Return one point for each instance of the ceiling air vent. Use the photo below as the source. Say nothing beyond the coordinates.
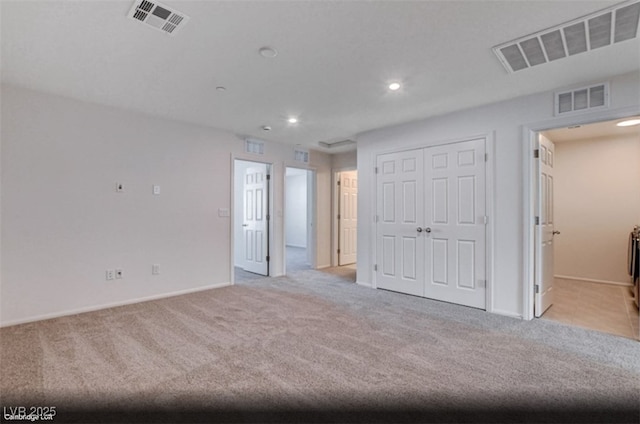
(583, 99)
(600, 29)
(253, 146)
(300, 155)
(158, 16)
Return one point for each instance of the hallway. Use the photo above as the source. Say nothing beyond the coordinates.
(601, 307)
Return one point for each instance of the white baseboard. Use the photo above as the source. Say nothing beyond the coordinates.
(110, 305)
(364, 284)
(506, 313)
(591, 280)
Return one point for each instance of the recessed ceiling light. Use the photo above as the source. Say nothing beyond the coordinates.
(629, 123)
(266, 128)
(268, 52)
(394, 86)
(221, 88)
(292, 120)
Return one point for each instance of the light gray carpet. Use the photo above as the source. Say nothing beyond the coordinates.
(320, 347)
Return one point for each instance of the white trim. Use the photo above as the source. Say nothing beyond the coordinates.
(489, 170)
(113, 305)
(312, 204)
(363, 284)
(529, 132)
(592, 280)
(507, 313)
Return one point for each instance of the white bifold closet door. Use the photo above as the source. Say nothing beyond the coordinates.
(431, 222)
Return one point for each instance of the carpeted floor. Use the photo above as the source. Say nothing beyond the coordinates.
(313, 347)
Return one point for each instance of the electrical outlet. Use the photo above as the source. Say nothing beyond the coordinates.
(155, 269)
(110, 274)
(156, 189)
(118, 273)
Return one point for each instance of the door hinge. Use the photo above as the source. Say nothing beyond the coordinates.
(268, 176)
(537, 288)
(338, 251)
(375, 218)
(486, 220)
(375, 267)
(338, 216)
(482, 283)
(536, 153)
(268, 217)
(537, 220)
(375, 169)
(268, 258)
(338, 182)
(486, 157)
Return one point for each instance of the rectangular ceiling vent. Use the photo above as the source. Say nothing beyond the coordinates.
(158, 16)
(583, 99)
(604, 28)
(254, 146)
(300, 155)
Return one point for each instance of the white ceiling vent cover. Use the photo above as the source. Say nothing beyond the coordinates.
(158, 16)
(254, 146)
(300, 155)
(600, 29)
(583, 99)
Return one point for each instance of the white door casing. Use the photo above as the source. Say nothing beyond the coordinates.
(431, 223)
(348, 217)
(544, 231)
(255, 225)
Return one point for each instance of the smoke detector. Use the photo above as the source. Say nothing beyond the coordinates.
(158, 16)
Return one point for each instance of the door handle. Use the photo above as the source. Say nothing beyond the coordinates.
(427, 229)
(245, 225)
(555, 232)
(419, 229)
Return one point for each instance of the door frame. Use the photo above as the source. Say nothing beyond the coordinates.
(311, 216)
(233, 223)
(489, 139)
(529, 139)
(335, 211)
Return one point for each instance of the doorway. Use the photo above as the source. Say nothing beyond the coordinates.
(347, 217)
(593, 207)
(299, 235)
(252, 226)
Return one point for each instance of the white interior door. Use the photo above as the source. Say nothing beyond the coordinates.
(348, 219)
(544, 229)
(431, 223)
(255, 224)
(455, 223)
(400, 200)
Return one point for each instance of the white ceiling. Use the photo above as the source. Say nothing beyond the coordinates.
(335, 59)
(591, 131)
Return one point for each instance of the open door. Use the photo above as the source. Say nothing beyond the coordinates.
(255, 225)
(347, 217)
(544, 231)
